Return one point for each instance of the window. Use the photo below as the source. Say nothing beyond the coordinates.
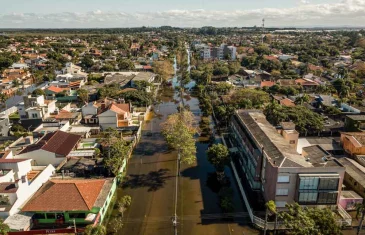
(34, 115)
(282, 192)
(292, 142)
(39, 216)
(283, 179)
(23, 179)
(280, 203)
(307, 198)
(51, 216)
(328, 184)
(327, 198)
(308, 183)
(77, 215)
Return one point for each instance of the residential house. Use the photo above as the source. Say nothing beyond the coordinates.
(354, 176)
(69, 201)
(355, 123)
(307, 84)
(116, 115)
(65, 115)
(89, 113)
(19, 180)
(52, 148)
(267, 84)
(34, 109)
(283, 100)
(52, 92)
(353, 143)
(272, 169)
(4, 125)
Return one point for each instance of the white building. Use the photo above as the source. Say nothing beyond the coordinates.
(116, 115)
(205, 53)
(36, 107)
(232, 52)
(53, 148)
(18, 182)
(71, 69)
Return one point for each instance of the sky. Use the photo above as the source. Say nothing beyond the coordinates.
(180, 13)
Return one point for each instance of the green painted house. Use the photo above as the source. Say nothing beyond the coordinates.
(355, 123)
(60, 202)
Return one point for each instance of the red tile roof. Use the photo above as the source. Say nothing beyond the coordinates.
(58, 142)
(267, 83)
(287, 102)
(66, 195)
(8, 188)
(120, 108)
(55, 89)
(64, 114)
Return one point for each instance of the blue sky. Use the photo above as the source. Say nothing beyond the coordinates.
(189, 13)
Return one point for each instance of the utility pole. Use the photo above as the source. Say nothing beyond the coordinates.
(174, 220)
(75, 226)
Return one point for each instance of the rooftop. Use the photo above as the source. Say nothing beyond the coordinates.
(66, 195)
(279, 151)
(356, 117)
(356, 138)
(19, 222)
(58, 142)
(354, 169)
(8, 187)
(319, 157)
(350, 194)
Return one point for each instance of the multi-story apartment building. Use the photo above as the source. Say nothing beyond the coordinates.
(219, 53)
(205, 53)
(267, 159)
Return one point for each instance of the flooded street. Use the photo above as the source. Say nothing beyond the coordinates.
(151, 177)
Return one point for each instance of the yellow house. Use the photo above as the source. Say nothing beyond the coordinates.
(353, 142)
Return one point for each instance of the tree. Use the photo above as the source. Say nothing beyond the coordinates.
(218, 155)
(256, 98)
(234, 67)
(4, 228)
(301, 99)
(38, 92)
(117, 152)
(124, 203)
(303, 221)
(270, 209)
(95, 230)
(83, 95)
(304, 119)
(87, 62)
(125, 64)
(163, 68)
(179, 130)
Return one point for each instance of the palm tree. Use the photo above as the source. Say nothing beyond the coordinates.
(360, 208)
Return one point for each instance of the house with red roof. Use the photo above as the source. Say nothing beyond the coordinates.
(307, 84)
(83, 201)
(52, 148)
(115, 115)
(19, 180)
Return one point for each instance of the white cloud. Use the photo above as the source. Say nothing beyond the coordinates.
(304, 2)
(345, 12)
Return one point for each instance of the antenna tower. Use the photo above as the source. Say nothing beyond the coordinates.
(263, 30)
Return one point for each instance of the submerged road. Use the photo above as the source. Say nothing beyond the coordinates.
(151, 178)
